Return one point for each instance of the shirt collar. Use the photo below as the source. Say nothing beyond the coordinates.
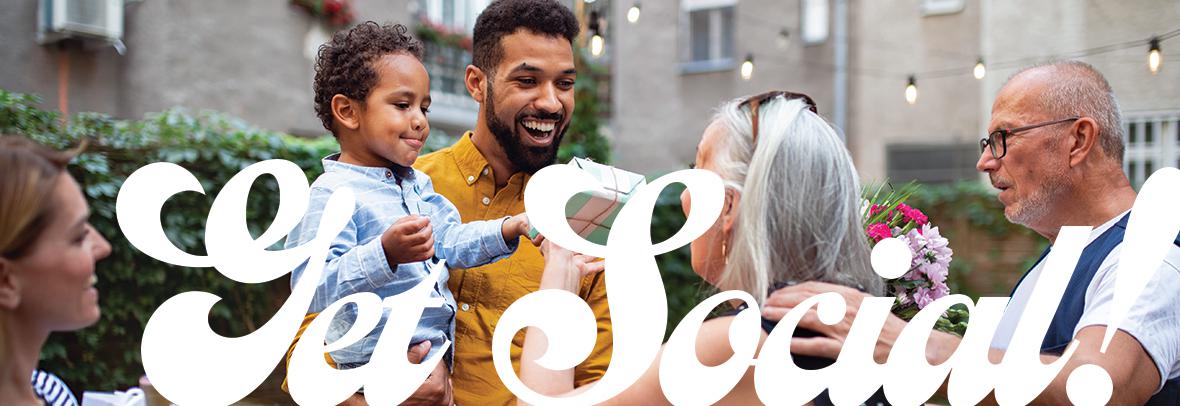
(332, 164)
(470, 161)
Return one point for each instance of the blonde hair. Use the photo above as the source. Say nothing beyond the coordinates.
(26, 191)
(799, 216)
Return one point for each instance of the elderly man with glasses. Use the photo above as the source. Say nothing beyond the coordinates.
(1055, 152)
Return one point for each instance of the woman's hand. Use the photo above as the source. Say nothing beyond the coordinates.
(564, 269)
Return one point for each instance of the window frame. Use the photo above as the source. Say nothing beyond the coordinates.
(718, 60)
(806, 24)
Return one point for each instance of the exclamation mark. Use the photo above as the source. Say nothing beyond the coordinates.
(1151, 231)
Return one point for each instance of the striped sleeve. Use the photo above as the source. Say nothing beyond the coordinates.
(52, 390)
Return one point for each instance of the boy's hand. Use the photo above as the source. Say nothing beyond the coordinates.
(409, 239)
(515, 227)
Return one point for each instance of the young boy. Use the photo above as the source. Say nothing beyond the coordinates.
(372, 92)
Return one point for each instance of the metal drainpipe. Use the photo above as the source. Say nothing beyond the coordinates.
(840, 80)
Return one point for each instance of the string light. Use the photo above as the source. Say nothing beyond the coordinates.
(980, 70)
(633, 13)
(1153, 55)
(748, 67)
(911, 90)
(596, 45)
(596, 42)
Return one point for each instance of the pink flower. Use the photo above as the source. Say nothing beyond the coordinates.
(923, 297)
(876, 208)
(332, 6)
(879, 232)
(900, 293)
(939, 290)
(916, 216)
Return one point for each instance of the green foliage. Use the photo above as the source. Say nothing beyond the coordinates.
(683, 288)
(969, 200)
(974, 205)
(213, 147)
(583, 138)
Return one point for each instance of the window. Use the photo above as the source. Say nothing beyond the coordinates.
(1150, 144)
(710, 26)
(445, 60)
(457, 15)
(814, 21)
(931, 163)
(942, 7)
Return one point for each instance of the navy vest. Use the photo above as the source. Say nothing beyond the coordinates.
(1073, 302)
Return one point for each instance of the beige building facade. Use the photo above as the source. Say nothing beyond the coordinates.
(667, 71)
(661, 104)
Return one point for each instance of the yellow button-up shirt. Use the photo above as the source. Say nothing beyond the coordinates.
(462, 175)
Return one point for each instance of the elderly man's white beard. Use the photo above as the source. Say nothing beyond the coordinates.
(1040, 203)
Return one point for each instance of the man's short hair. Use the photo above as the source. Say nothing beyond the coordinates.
(345, 64)
(1078, 89)
(504, 17)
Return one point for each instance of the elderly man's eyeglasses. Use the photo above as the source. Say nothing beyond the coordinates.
(754, 102)
(998, 139)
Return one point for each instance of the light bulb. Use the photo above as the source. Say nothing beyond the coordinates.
(748, 67)
(596, 45)
(911, 91)
(633, 14)
(980, 70)
(1153, 56)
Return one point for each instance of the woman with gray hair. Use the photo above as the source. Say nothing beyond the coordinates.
(791, 214)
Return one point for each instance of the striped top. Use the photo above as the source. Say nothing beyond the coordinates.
(52, 390)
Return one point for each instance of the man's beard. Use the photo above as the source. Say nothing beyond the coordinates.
(1038, 204)
(525, 158)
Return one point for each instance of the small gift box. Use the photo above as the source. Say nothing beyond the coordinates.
(590, 214)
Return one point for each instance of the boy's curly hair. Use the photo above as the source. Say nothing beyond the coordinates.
(345, 64)
(504, 17)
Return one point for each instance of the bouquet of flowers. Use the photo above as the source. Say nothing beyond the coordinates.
(887, 216)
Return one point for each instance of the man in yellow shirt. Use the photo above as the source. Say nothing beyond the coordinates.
(522, 75)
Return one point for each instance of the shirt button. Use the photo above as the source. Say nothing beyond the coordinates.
(465, 307)
(388, 174)
(486, 201)
(470, 179)
(485, 171)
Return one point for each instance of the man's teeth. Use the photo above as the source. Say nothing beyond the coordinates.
(93, 279)
(539, 126)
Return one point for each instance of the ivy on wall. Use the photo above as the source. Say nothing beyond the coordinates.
(132, 285)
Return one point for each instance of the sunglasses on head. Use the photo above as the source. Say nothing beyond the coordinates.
(756, 101)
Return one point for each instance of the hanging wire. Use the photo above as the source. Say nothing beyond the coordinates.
(959, 70)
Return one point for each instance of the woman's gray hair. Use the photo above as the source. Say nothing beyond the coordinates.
(799, 216)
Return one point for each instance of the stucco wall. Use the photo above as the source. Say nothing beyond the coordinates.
(660, 112)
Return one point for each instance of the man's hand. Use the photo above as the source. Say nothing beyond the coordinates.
(437, 388)
(435, 391)
(515, 227)
(783, 300)
(409, 239)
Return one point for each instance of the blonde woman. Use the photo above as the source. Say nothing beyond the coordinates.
(791, 214)
(47, 254)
